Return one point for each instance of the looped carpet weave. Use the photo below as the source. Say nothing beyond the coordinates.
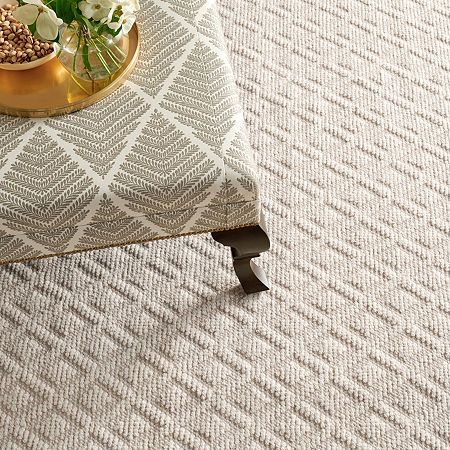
(156, 347)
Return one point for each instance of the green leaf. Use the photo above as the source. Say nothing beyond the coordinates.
(62, 8)
(85, 53)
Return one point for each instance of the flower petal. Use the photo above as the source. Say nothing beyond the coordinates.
(128, 24)
(114, 25)
(86, 9)
(34, 2)
(46, 28)
(26, 14)
(54, 17)
(100, 14)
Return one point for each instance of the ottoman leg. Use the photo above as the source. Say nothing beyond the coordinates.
(247, 243)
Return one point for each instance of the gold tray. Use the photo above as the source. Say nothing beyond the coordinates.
(50, 90)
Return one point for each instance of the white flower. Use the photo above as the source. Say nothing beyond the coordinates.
(128, 5)
(122, 15)
(95, 9)
(47, 23)
(127, 22)
(110, 15)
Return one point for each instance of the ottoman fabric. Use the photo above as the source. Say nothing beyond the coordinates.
(165, 155)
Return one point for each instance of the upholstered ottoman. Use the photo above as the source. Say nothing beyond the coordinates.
(166, 155)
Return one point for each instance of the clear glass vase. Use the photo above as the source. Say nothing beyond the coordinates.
(91, 58)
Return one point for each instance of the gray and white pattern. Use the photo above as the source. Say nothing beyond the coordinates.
(148, 162)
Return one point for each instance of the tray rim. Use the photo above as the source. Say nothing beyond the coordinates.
(86, 102)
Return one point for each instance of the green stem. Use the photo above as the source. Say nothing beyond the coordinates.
(100, 57)
(111, 54)
(116, 46)
(77, 50)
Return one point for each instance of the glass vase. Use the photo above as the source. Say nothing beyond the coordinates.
(91, 58)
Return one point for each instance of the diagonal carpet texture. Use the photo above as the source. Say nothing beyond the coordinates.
(156, 347)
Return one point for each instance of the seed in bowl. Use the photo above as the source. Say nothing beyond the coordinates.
(17, 44)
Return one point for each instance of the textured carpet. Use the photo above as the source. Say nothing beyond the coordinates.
(156, 347)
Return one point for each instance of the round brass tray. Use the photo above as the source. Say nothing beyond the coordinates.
(50, 90)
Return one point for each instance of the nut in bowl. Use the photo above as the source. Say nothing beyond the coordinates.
(19, 49)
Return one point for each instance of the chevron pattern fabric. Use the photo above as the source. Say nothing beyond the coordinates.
(155, 347)
(158, 158)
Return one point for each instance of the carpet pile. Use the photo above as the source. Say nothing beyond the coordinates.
(156, 347)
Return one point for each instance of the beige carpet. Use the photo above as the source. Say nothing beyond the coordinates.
(155, 347)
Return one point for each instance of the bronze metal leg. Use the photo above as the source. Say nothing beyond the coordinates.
(247, 243)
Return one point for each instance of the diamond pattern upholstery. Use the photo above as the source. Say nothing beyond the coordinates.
(165, 155)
